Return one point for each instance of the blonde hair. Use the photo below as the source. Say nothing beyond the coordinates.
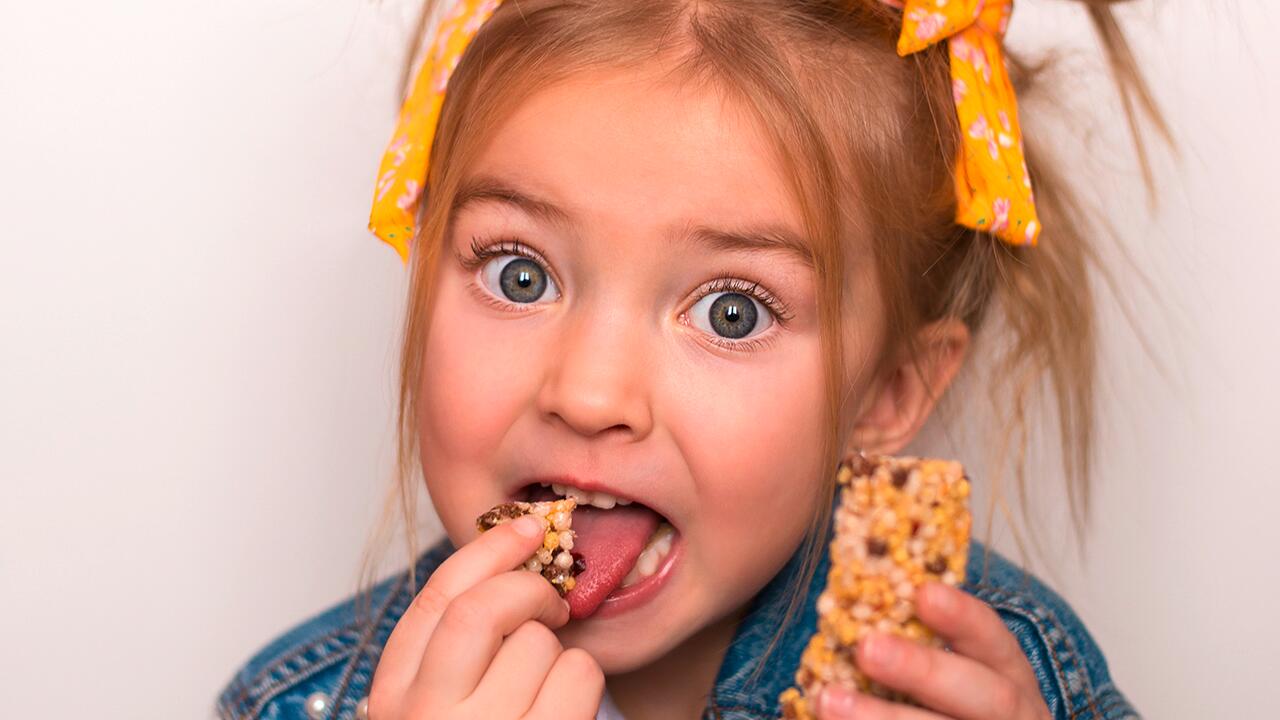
(868, 141)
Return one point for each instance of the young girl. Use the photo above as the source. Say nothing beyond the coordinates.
(675, 259)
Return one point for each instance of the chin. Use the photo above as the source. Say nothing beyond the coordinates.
(643, 645)
(615, 657)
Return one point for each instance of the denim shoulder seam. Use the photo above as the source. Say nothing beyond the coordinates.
(1038, 614)
(294, 666)
(365, 656)
(288, 669)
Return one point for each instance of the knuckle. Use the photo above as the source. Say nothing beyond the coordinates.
(430, 600)
(466, 615)
(491, 549)
(918, 665)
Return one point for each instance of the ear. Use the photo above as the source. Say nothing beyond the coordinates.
(905, 396)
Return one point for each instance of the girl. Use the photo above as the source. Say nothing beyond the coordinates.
(675, 259)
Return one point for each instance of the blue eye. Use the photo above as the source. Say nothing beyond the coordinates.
(518, 279)
(730, 315)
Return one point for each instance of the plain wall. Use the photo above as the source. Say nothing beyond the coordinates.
(198, 347)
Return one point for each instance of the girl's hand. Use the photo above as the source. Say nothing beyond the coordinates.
(987, 677)
(477, 641)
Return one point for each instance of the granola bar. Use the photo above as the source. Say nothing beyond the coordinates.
(555, 560)
(900, 521)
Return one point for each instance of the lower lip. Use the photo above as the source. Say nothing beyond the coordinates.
(634, 596)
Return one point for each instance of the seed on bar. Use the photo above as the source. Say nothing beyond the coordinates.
(552, 560)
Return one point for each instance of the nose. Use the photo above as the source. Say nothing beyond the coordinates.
(598, 377)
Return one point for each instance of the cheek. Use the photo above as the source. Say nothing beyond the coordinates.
(473, 388)
(464, 393)
(757, 454)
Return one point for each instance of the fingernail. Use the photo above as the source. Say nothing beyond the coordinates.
(530, 526)
(837, 702)
(883, 650)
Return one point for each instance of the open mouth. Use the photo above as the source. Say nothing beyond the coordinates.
(623, 542)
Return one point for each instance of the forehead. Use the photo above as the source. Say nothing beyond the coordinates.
(642, 147)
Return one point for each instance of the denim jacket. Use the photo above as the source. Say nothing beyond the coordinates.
(322, 668)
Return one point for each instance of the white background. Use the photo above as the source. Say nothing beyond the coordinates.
(198, 346)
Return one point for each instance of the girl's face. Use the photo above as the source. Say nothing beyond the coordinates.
(661, 343)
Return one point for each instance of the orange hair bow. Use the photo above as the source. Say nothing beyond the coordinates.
(993, 188)
(403, 174)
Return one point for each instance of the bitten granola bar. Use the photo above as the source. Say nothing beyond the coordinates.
(555, 560)
(900, 521)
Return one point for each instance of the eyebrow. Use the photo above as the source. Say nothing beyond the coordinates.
(765, 238)
(769, 238)
(488, 188)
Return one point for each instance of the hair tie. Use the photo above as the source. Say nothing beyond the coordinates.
(993, 187)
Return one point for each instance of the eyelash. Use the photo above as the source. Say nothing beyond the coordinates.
(481, 253)
(782, 314)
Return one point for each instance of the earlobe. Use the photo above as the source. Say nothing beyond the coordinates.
(905, 397)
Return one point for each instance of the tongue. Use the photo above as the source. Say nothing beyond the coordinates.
(609, 541)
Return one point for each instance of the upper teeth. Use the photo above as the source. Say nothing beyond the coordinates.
(586, 497)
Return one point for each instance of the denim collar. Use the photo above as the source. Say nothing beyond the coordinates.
(740, 691)
(736, 691)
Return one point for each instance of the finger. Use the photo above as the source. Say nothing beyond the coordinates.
(511, 683)
(951, 684)
(473, 626)
(493, 552)
(973, 629)
(572, 690)
(839, 702)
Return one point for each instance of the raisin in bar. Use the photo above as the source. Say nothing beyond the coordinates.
(900, 521)
(555, 560)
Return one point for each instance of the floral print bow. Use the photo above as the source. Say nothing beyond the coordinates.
(404, 165)
(993, 187)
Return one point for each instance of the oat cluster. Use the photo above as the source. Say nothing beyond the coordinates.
(900, 521)
(555, 560)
